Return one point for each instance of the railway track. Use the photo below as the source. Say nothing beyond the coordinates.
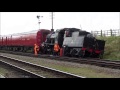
(36, 71)
(18, 71)
(97, 62)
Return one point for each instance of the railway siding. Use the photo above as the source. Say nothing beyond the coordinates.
(38, 68)
(88, 71)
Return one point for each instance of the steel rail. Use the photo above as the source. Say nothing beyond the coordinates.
(26, 72)
(98, 62)
(55, 71)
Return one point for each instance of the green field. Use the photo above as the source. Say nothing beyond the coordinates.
(112, 47)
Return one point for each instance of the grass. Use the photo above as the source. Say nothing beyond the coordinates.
(112, 47)
(2, 71)
(84, 71)
(88, 71)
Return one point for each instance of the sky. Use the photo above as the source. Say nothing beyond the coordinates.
(18, 22)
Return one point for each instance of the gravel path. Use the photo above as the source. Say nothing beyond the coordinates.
(89, 71)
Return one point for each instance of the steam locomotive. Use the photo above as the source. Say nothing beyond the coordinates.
(75, 43)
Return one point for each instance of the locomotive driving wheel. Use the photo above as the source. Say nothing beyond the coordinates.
(101, 55)
(82, 54)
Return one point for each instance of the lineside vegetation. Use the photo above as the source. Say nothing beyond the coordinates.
(112, 47)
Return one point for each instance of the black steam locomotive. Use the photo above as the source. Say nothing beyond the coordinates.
(75, 43)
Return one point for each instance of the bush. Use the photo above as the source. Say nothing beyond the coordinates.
(112, 47)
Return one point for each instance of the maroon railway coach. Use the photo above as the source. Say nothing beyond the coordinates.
(23, 41)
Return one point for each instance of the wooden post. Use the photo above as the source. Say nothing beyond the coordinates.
(101, 33)
(2, 40)
(118, 43)
(0, 24)
(104, 34)
(6, 41)
(111, 31)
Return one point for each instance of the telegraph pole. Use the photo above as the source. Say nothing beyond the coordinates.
(0, 25)
(52, 21)
(119, 21)
(38, 17)
(119, 24)
(80, 27)
(119, 33)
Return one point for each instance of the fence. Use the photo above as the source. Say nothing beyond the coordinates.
(104, 33)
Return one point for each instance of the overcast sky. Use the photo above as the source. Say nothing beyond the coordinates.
(17, 22)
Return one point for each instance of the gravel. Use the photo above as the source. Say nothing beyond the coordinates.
(8, 72)
(89, 71)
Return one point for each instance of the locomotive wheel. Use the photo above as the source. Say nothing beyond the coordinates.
(72, 52)
(101, 55)
(90, 54)
(82, 54)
